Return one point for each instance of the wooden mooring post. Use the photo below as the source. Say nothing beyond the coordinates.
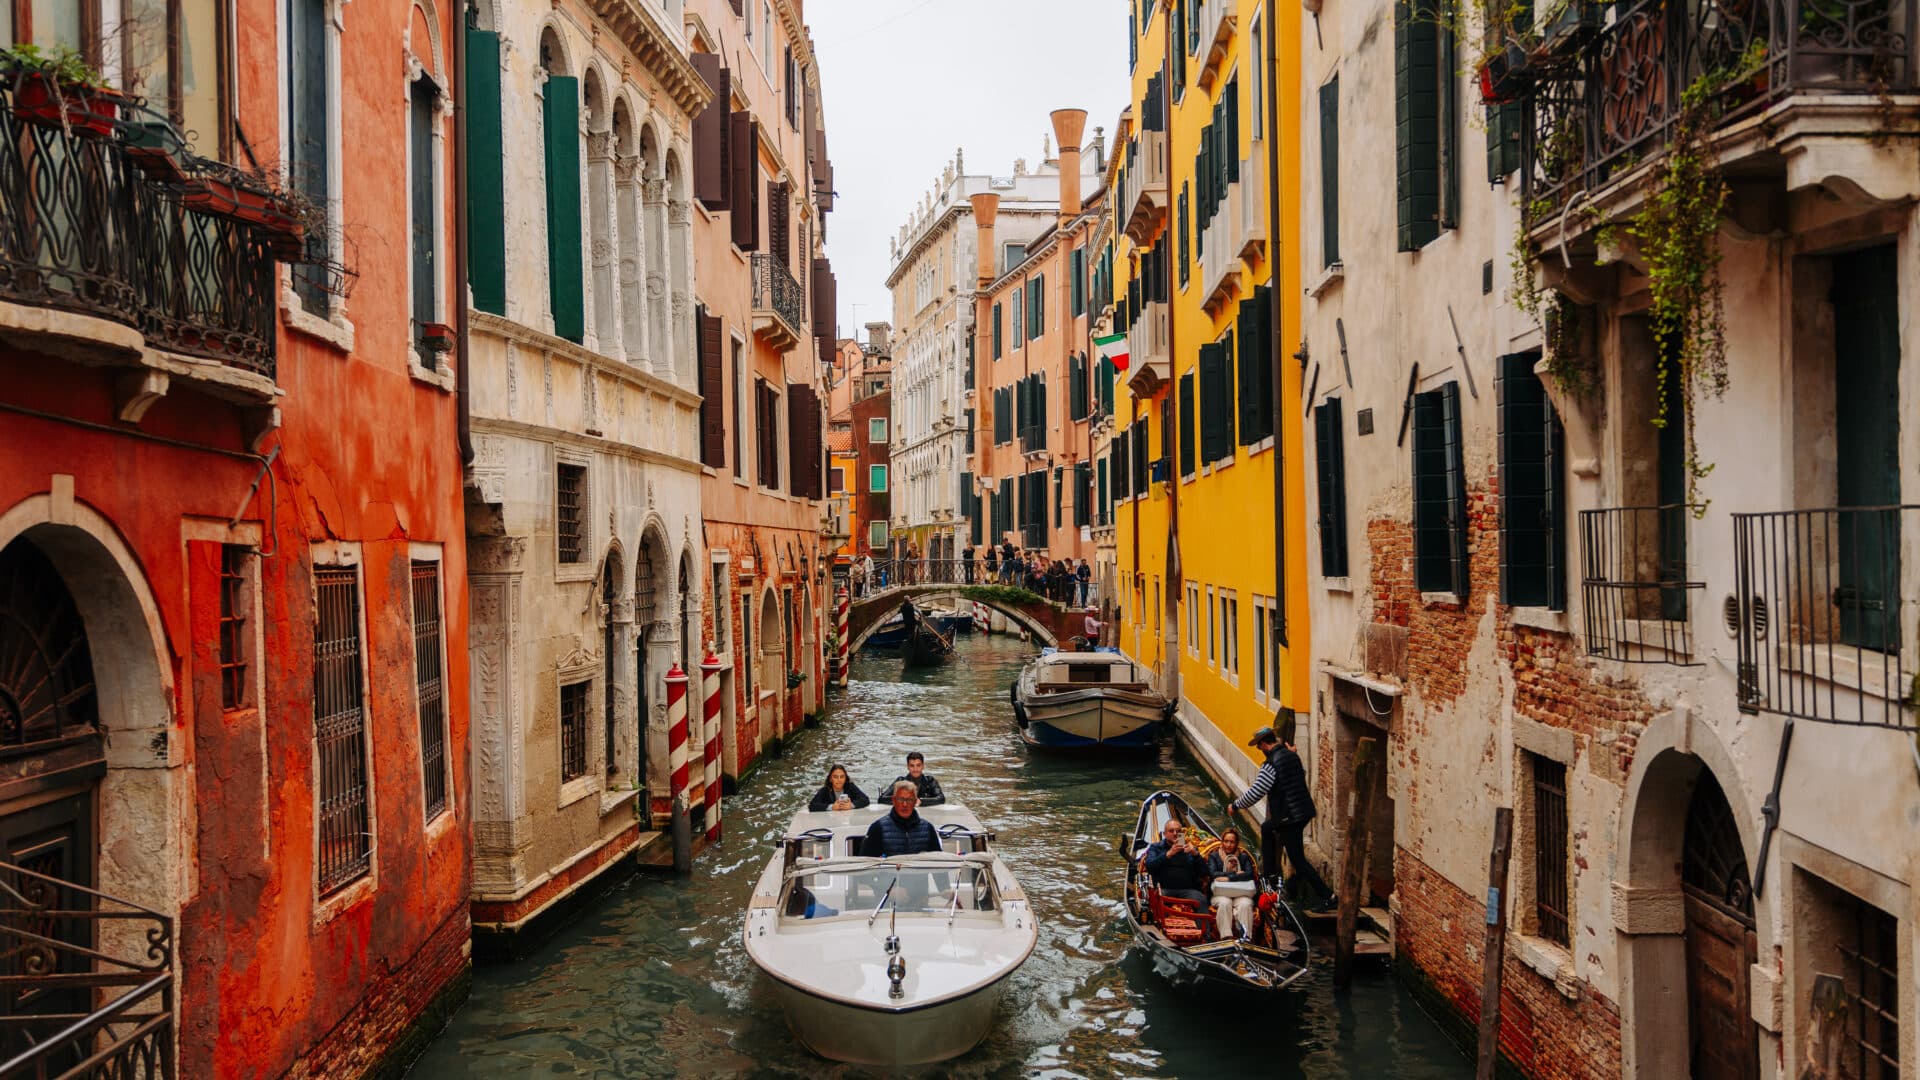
(1494, 951)
(1353, 867)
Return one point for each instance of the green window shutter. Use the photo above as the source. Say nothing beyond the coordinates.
(1416, 85)
(1102, 498)
(1214, 438)
(1077, 266)
(1039, 412)
(1233, 130)
(1503, 139)
(1330, 467)
(998, 342)
(1059, 495)
(1531, 544)
(1439, 493)
(1186, 424)
(1185, 257)
(1248, 384)
(565, 284)
(486, 175)
(1330, 172)
(1118, 453)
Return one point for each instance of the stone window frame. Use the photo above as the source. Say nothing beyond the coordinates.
(581, 667)
(345, 554)
(1779, 1001)
(1548, 958)
(720, 564)
(433, 552)
(433, 69)
(588, 568)
(334, 327)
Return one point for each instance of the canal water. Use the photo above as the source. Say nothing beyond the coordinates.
(654, 981)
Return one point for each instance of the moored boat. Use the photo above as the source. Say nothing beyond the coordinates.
(892, 632)
(925, 646)
(888, 961)
(1088, 701)
(1179, 936)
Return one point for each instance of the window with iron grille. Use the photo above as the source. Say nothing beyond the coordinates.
(1439, 493)
(570, 512)
(339, 730)
(427, 684)
(1870, 966)
(1550, 874)
(1533, 545)
(1330, 467)
(235, 643)
(573, 730)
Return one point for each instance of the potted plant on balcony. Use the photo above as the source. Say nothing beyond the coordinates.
(436, 337)
(59, 89)
(1567, 22)
(1505, 74)
(153, 144)
(254, 198)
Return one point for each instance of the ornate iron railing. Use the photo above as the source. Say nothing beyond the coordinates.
(86, 982)
(1607, 100)
(1822, 612)
(83, 229)
(775, 290)
(1634, 583)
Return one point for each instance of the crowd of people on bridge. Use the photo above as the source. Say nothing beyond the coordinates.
(1064, 581)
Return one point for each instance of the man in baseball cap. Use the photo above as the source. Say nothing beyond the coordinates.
(1282, 782)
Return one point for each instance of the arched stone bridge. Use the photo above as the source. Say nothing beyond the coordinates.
(1049, 622)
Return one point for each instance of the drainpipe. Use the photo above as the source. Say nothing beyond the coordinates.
(1168, 432)
(1278, 351)
(462, 394)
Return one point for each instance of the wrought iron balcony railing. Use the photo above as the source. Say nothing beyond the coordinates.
(778, 302)
(1822, 614)
(1634, 585)
(1608, 99)
(83, 229)
(86, 982)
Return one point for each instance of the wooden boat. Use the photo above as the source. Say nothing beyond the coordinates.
(892, 633)
(1088, 701)
(1178, 936)
(926, 646)
(888, 961)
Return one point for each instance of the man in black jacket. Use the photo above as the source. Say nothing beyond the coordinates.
(929, 788)
(1176, 868)
(902, 831)
(1282, 782)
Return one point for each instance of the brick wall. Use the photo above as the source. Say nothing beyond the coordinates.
(401, 1012)
(1439, 930)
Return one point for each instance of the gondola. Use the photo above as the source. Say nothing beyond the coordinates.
(925, 646)
(1178, 936)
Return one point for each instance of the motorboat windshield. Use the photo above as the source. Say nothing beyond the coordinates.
(867, 888)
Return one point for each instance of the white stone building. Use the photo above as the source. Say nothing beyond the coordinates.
(584, 494)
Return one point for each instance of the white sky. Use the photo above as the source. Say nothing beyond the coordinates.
(905, 82)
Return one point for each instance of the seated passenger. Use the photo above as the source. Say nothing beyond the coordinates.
(1231, 866)
(1175, 867)
(902, 831)
(838, 793)
(927, 786)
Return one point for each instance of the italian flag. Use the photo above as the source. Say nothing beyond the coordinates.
(1114, 350)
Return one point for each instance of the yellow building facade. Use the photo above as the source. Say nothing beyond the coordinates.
(1207, 410)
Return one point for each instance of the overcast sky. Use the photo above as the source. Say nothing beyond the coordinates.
(905, 82)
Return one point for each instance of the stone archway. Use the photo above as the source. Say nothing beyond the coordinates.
(1684, 835)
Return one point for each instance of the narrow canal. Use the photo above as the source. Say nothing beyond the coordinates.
(655, 982)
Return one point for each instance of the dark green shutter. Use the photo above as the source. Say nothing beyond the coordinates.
(486, 175)
(1330, 466)
(1503, 139)
(1416, 85)
(1248, 385)
(1059, 495)
(1186, 424)
(1077, 266)
(1101, 499)
(1531, 548)
(1039, 413)
(1082, 494)
(1232, 136)
(1330, 171)
(998, 331)
(1077, 387)
(1117, 451)
(565, 286)
(1181, 223)
(1439, 493)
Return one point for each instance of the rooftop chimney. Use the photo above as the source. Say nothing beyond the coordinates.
(986, 205)
(1067, 127)
(877, 334)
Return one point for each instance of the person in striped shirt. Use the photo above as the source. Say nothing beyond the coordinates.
(1282, 783)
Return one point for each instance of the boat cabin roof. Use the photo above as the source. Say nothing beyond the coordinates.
(856, 822)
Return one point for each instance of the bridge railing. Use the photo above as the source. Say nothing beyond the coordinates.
(891, 574)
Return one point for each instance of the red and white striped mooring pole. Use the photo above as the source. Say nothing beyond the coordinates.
(840, 615)
(710, 694)
(677, 733)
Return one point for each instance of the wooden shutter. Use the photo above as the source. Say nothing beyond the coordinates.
(1059, 495)
(1181, 223)
(1255, 363)
(1439, 493)
(998, 343)
(1530, 561)
(1216, 409)
(1231, 138)
(803, 451)
(744, 167)
(1330, 172)
(1330, 465)
(713, 405)
(1456, 485)
(1416, 86)
(826, 299)
(1077, 268)
(712, 142)
(1139, 449)
(778, 224)
(1117, 451)
(1077, 387)
(1503, 138)
(1186, 424)
(486, 175)
(1101, 499)
(565, 279)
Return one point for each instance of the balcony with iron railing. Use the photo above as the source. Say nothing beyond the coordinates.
(86, 982)
(778, 303)
(1144, 185)
(1634, 584)
(1236, 235)
(1823, 614)
(1613, 81)
(113, 249)
(1149, 353)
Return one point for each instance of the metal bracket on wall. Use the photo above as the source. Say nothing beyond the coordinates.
(1462, 347)
(1406, 406)
(1340, 327)
(1312, 389)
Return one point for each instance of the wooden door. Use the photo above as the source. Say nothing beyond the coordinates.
(51, 841)
(1720, 950)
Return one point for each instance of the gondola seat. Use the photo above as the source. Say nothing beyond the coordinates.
(1183, 921)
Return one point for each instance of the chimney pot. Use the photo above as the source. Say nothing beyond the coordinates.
(1068, 125)
(986, 206)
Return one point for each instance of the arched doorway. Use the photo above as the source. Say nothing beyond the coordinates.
(773, 676)
(1721, 943)
(648, 668)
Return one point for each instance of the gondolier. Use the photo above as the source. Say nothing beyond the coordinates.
(1282, 782)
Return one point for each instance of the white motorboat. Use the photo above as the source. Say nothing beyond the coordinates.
(888, 961)
(1088, 701)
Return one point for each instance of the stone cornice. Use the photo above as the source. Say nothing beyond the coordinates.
(486, 322)
(658, 51)
(560, 437)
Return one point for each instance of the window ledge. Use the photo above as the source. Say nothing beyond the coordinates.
(1548, 960)
(431, 376)
(573, 791)
(580, 571)
(612, 800)
(1541, 619)
(1260, 447)
(1337, 584)
(1439, 599)
(1334, 273)
(336, 331)
(332, 907)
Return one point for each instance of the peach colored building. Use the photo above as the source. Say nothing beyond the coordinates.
(1033, 456)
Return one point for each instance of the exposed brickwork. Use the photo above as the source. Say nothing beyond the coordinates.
(385, 1029)
(1439, 931)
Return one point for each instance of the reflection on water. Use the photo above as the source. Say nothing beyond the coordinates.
(655, 982)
